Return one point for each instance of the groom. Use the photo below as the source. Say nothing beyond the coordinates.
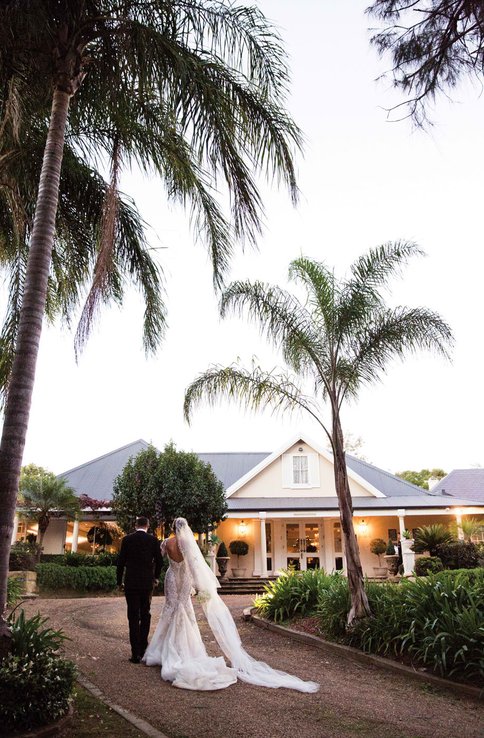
(140, 555)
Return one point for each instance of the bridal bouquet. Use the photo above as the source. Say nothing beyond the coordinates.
(202, 597)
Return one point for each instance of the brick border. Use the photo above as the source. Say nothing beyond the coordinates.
(354, 654)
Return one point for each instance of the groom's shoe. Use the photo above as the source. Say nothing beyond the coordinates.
(135, 660)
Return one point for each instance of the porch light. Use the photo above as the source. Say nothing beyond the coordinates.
(362, 527)
(242, 529)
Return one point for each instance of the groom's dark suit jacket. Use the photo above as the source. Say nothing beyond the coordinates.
(140, 555)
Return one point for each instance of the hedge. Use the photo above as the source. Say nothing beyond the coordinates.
(81, 578)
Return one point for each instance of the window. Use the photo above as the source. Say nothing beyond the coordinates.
(392, 534)
(300, 470)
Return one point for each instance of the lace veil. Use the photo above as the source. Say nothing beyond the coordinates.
(222, 623)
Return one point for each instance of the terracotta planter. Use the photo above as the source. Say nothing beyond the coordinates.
(391, 561)
(380, 572)
(238, 572)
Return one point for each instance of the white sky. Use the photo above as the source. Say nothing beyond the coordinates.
(363, 181)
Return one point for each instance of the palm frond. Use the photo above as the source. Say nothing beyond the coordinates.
(392, 333)
(253, 390)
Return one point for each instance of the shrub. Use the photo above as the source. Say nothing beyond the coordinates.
(222, 551)
(35, 683)
(293, 593)
(428, 537)
(34, 692)
(239, 548)
(459, 555)
(390, 550)
(81, 578)
(378, 547)
(428, 565)
(78, 559)
(436, 620)
(23, 555)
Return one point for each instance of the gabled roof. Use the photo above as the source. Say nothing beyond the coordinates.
(96, 478)
(466, 483)
(229, 467)
(353, 474)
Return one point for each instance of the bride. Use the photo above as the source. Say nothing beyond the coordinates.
(177, 644)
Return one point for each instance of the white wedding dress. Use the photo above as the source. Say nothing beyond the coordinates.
(177, 645)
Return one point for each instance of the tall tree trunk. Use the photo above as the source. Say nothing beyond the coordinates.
(21, 384)
(360, 607)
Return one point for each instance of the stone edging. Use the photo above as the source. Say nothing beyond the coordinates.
(137, 722)
(354, 654)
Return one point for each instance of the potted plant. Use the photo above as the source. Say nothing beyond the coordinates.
(239, 548)
(222, 559)
(391, 558)
(379, 547)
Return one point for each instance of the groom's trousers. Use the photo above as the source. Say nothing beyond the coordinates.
(139, 619)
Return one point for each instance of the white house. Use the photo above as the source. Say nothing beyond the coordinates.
(284, 505)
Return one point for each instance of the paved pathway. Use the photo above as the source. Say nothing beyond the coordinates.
(354, 699)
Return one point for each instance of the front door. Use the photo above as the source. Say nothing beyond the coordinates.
(303, 545)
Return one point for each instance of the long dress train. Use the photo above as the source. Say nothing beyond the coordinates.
(177, 645)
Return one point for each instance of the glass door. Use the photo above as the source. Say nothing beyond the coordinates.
(303, 546)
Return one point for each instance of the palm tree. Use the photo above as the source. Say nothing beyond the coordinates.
(341, 337)
(43, 496)
(192, 92)
(79, 220)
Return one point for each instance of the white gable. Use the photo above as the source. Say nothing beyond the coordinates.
(301, 468)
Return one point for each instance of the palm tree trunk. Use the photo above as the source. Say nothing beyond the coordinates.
(21, 385)
(360, 607)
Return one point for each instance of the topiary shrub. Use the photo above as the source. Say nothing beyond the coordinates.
(428, 565)
(222, 551)
(390, 549)
(36, 684)
(378, 547)
(238, 548)
(459, 555)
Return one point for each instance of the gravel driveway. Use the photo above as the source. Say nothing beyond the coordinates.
(354, 699)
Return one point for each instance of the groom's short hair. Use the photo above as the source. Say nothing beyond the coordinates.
(142, 522)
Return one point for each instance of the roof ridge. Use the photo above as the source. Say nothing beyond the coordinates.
(104, 456)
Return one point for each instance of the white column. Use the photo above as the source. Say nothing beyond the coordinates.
(263, 545)
(401, 522)
(15, 529)
(75, 536)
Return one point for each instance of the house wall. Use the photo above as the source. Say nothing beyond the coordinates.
(269, 481)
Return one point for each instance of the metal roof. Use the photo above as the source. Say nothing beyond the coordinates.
(96, 478)
(468, 483)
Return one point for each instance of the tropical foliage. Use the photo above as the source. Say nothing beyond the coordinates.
(429, 537)
(434, 44)
(436, 621)
(43, 496)
(36, 684)
(193, 92)
(167, 485)
(339, 338)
